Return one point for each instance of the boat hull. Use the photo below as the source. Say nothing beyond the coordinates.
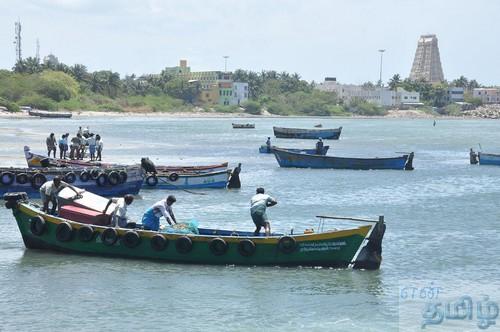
(265, 149)
(281, 132)
(214, 180)
(47, 114)
(330, 249)
(132, 184)
(488, 159)
(290, 159)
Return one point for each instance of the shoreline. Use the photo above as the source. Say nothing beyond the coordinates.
(394, 114)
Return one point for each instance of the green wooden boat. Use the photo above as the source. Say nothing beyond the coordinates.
(357, 247)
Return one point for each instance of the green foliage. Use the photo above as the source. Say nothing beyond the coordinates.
(360, 107)
(39, 102)
(452, 109)
(474, 101)
(12, 107)
(227, 108)
(252, 107)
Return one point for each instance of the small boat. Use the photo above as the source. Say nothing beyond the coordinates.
(243, 126)
(105, 182)
(81, 228)
(319, 125)
(38, 160)
(265, 149)
(291, 159)
(50, 114)
(173, 180)
(281, 132)
(484, 158)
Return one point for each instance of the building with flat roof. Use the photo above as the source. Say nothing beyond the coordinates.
(427, 62)
(487, 95)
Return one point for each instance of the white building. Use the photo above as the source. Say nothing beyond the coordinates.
(487, 95)
(455, 94)
(380, 96)
(240, 93)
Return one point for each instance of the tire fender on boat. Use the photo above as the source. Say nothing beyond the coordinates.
(102, 179)
(94, 174)
(70, 177)
(22, 178)
(131, 239)
(113, 178)
(218, 246)
(173, 177)
(123, 176)
(7, 178)
(152, 180)
(183, 245)
(159, 242)
(84, 176)
(246, 247)
(109, 236)
(37, 225)
(86, 233)
(38, 180)
(287, 244)
(64, 232)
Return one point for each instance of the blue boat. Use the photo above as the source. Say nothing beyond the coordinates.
(291, 159)
(109, 182)
(281, 132)
(172, 181)
(265, 149)
(488, 159)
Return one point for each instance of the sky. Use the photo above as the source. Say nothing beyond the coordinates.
(314, 38)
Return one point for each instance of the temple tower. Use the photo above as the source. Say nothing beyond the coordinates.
(427, 63)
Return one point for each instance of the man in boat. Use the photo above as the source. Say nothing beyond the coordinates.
(49, 191)
(151, 218)
(473, 157)
(51, 144)
(119, 215)
(319, 146)
(98, 145)
(92, 143)
(268, 144)
(258, 206)
(75, 147)
(148, 165)
(234, 180)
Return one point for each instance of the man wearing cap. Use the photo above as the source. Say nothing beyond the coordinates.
(151, 218)
(258, 206)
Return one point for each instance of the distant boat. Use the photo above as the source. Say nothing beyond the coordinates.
(50, 114)
(243, 126)
(264, 149)
(319, 125)
(281, 132)
(488, 159)
(291, 159)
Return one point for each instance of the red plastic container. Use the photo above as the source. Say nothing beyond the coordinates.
(84, 216)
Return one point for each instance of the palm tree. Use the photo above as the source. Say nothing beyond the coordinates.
(79, 72)
(394, 82)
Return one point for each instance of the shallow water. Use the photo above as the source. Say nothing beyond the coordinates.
(442, 226)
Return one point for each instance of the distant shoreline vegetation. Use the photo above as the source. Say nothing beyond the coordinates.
(52, 85)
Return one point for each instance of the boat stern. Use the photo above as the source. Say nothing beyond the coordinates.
(370, 256)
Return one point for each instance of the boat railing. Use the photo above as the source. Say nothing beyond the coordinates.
(323, 219)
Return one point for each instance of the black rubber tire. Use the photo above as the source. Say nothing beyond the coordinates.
(37, 225)
(131, 239)
(10, 204)
(287, 244)
(101, 180)
(7, 178)
(109, 236)
(113, 178)
(70, 177)
(123, 176)
(94, 174)
(152, 180)
(183, 245)
(246, 248)
(38, 180)
(159, 242)
(84, 176)
(64, 232)
(22, 178)
(218, 246)
(86, 233)
(173, 177)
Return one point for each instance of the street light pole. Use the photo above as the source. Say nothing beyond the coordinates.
(225, 62)
(381, 58)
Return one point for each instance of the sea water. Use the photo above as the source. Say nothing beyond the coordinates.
(442, 226)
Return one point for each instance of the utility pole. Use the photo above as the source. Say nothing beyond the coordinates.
(225, 62)
(37, 50)
(381, 84)
(17, 41)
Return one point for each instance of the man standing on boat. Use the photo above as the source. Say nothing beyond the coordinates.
(99, 145)
(51, 144)
(151, 218)
(319, 146)
(268, 144)
(49, 191)
(258, 206)
(119, 215)
(92, 142)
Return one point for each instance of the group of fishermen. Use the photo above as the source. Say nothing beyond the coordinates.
(319, 145)
(76, 146)
(151, 218)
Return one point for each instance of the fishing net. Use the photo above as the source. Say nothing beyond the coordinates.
(190, 227)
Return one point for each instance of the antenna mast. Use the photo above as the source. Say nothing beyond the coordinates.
(17, 41)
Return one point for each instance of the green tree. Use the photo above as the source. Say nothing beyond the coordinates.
(394, 82)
